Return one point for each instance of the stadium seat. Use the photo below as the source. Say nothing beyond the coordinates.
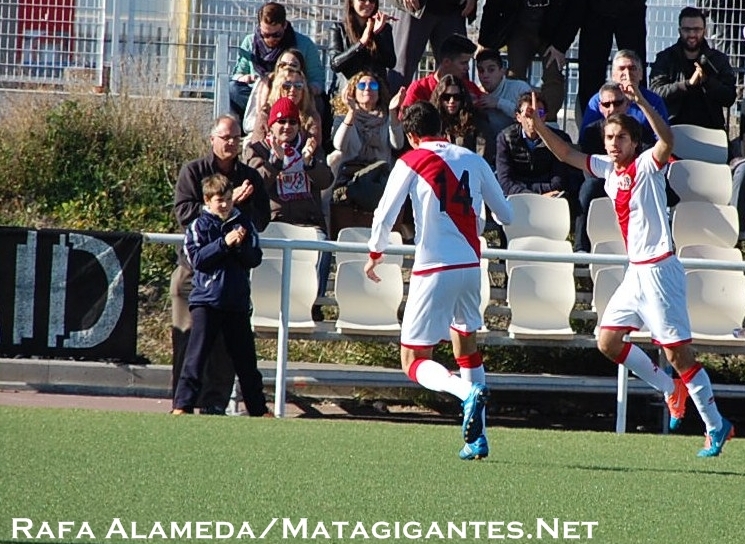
(716, 305)
(603, 286)
(287, 231)
(608, 247)
(701, 181)
(541, 297)
(537, 243)
(366, 307)
(538, 215)
(266, 288)
(602, 224)
(701, 251)
(361, 235)
(705, 223)
(699, 143)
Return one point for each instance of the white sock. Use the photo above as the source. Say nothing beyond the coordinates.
(640, 364)
(475, 375)
(436, 377)
(699, 388)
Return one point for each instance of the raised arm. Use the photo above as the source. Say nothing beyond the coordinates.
(561, 149)
(663, 148)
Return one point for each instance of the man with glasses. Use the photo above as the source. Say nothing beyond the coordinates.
(627, 69)
(260, 51)
(250, 197)
(695, 81)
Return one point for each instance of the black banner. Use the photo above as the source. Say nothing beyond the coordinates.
(69, 293)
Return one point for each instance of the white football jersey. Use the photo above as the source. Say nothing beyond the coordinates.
(448, 186)
(638, 195)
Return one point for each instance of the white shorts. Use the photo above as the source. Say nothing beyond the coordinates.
(653, 295)
(440, 301)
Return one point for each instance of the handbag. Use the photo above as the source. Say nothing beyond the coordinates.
(365, 187)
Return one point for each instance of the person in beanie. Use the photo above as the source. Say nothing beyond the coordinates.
(294, 173)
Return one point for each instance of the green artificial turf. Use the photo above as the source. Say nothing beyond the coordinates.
(154, 469)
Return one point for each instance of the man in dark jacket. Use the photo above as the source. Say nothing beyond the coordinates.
(250, 197)
(530, 27)
(695, 80)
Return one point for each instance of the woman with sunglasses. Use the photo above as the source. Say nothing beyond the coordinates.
(460, 124)
(367, 135)
(292, 84)
(290, 58)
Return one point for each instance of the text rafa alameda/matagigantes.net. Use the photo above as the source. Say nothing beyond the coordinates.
(303, 528)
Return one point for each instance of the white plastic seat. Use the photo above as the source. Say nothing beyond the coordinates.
(266, 289)
(699, 143)
(602, 223)
(716, 305)
(701, 251)
(361, 235)
(541, 298)
(538, 215)
(603, 286)
(608, 247)
(287, 231)
(538, 243)
(701, 181)
(366, 307)
(485, 284)
(705, 223)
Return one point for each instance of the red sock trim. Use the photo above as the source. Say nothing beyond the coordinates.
(469, 361)
(624, 353)
(688, 375)
(413, 368)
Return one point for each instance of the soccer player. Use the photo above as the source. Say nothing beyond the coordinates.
(652, 292)
(448, 186)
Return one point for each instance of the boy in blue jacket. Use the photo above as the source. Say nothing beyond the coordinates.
(221, 245)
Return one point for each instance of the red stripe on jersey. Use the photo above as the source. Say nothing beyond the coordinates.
(454, 194)
(626, 182)
(427, 271)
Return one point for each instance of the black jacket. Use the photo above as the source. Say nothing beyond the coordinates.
(559, 26)
(700, 104)
(350, 58)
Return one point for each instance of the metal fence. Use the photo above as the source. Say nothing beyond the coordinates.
(171, 43)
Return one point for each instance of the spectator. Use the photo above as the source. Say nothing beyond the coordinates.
(251, 199)
(420, 23)
(290, 83)
(460, 124)
(368, 133)
(530, 27)
(612, 101)
(290, 58)
(222, 245)
(695, 80)
(455, 56)
(363, 41)
(259, 52)
(294, 172)
(603, 20)
(525, 164)
(500, 100)
(627, 69)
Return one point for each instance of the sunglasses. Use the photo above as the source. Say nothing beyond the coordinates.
(229, 137)
(284, 64)
(297, 84)
(275, 35)
(287, 121)
(614, 103)
(370, 85)
(447, 97)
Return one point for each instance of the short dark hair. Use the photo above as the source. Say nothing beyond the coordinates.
(422, 119)
(527, 98)
(627, 123)
(490, 54)
(272, 13)
(692, 13)
(455, 45)
(216, 185)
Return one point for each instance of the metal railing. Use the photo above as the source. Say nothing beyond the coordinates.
(288, 246)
